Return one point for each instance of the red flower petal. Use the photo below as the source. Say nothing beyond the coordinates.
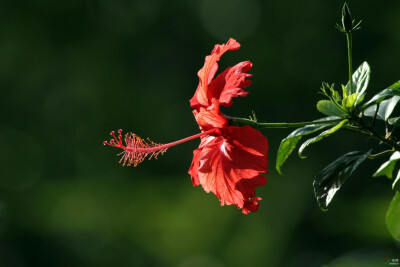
(206, 74)
(211, 117)
(195, 166)
(230, 83)
(230, 166)
(251, 205)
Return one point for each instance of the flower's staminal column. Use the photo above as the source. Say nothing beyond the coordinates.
(136, 149)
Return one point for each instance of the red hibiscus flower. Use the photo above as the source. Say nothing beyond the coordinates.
(229, 159)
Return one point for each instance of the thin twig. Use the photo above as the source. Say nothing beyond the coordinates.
(377, 155)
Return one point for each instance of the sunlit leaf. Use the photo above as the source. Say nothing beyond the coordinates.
(371, 110)
(349, 101)
(360, 81)
(395, 91)
(360, 99)
(332, 177)
(394, 121)
(286, 147)
(386, 169)
(336, 96)
(321, 136)
(329, 108)
(396, 182)
(396, 85)
(289, 143)
(390, 106)
(386, 107)
(344, 89)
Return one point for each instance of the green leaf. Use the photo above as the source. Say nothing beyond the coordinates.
(360, 99)
(386, 107)
(285, 149)
(349, 101)
(289, 143)
(329, 108)
(370, 112)
(393, 217)
(390, 106)
(396, 183)
(386, 169)
(381, 96)
(344, 89)
(396, 85)
(394, 121)
(336, 96)
(321, 136)
(332, 177)
(360, 80)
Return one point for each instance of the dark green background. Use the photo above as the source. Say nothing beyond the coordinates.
(72, 71)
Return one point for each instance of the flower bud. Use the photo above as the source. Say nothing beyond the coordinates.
(347, 19)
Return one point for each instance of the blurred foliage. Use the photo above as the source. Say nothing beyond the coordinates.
(72, 71)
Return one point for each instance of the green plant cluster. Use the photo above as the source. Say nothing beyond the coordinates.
(347, 109)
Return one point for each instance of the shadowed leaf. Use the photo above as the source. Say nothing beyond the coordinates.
(332, 177)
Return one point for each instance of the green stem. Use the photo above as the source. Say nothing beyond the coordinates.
(350, 59)
(260, 125)
(376, 114)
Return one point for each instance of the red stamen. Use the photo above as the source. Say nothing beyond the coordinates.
(136, 149)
